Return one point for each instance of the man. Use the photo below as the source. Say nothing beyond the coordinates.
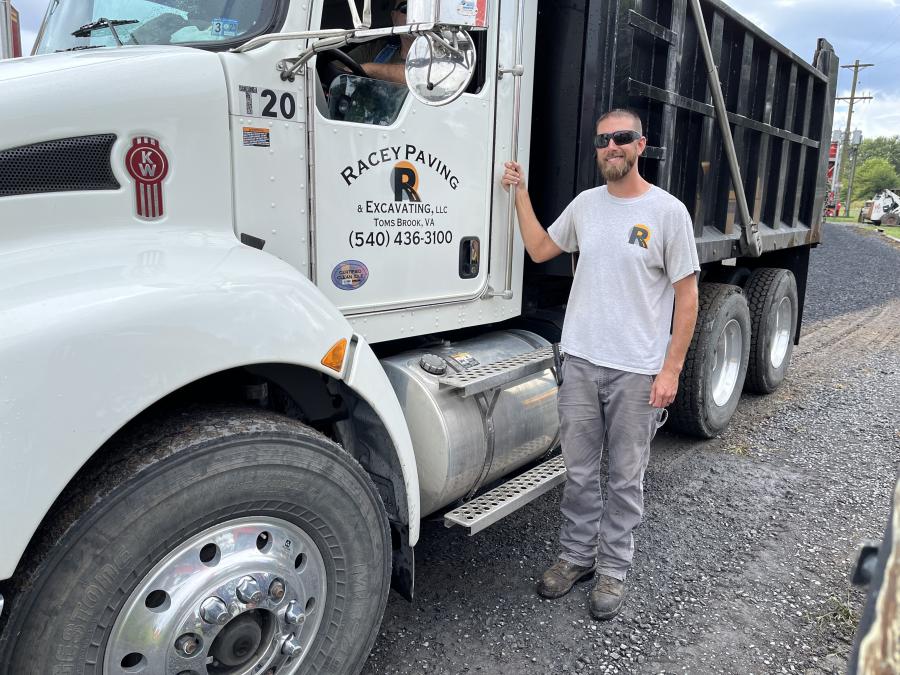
(386, 59)
(637, 256)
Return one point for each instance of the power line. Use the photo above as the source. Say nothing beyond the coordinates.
(884, 28)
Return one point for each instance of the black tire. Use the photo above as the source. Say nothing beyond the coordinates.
(890, 220)
(694, 411)
(766, 290)
(163, 484)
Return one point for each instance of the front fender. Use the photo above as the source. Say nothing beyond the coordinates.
(95, 331)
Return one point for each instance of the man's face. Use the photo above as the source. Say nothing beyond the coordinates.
(615, 161)
(398, 14)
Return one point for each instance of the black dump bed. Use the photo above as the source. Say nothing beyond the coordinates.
(595, 55)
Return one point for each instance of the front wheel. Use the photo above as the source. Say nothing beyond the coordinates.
(225, 543)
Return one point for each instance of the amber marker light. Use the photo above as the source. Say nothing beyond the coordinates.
(334, 359)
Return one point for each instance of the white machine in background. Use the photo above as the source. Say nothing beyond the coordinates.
(883, 209)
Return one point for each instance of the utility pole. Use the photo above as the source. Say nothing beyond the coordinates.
(853, 98)
(855, 143)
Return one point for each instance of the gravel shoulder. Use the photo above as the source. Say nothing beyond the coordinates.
(742, 564)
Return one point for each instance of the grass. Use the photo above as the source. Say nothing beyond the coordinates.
(893, 231)
(841, 616)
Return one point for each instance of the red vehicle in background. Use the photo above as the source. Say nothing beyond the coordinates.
(832, 206)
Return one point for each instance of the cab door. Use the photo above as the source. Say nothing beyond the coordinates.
(402, 190)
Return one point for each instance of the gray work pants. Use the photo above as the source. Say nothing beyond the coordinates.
(602, 407)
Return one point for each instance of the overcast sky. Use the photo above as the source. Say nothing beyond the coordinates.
(868, 30)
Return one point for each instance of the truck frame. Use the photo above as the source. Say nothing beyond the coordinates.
(262, 315)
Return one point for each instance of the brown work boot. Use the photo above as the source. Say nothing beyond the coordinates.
(560, 577)
(607, 597)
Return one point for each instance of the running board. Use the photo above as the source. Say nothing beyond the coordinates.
(512, 495)
(478, 379)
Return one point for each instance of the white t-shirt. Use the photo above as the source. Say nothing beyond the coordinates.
(631, 252)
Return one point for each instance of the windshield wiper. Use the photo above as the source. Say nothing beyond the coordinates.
(79, 47)
(88, 28)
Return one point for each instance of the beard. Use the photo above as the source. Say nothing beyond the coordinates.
(617, 171)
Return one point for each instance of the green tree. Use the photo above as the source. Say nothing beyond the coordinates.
(874, 175)
(885, 147)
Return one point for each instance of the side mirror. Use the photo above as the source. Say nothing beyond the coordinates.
(439, 66)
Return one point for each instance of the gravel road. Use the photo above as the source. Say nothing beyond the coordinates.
(742, 564)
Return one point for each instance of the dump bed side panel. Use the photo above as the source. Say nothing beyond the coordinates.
(594, 55)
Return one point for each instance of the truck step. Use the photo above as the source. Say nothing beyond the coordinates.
(481, 378)
(508, 497)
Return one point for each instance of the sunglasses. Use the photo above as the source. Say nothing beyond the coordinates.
(401, 8)
(617, 137)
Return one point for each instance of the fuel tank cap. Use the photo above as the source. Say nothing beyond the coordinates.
(432, 363)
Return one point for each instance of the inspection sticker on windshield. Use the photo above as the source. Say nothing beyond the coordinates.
(257, 138)
(224, 27)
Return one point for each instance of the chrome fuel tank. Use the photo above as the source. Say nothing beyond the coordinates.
(450, 433)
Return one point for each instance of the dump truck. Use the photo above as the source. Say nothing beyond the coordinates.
(262, 313)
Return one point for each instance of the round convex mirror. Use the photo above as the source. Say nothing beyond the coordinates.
(439, 66)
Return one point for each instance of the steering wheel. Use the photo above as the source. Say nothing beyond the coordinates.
(328, 69)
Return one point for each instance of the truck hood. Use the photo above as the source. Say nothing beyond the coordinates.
(32, 66)
(174, 98)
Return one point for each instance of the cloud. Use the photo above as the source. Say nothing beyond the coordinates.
(878, 117)
(31, 13)
(28, 38)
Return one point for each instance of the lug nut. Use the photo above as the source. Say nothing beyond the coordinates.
(187, 644)
(293, 613)
(292, 646)
(248, 590)
(213, 610)
(276, 590)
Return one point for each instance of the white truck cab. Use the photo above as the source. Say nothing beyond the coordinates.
(207, 225)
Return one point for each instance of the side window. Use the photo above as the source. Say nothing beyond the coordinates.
(363, 99)
(366, 83)
(479, 37)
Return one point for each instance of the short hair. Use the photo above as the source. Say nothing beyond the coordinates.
(622, 112)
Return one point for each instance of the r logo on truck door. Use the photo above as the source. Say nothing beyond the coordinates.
(405, 179)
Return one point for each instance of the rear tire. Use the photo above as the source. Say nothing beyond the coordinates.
(772, 296)
(190, 508)
(890, 220)
(710, 384)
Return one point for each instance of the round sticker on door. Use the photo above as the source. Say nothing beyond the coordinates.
(349, 275)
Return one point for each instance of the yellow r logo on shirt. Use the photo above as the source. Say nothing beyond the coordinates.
(640, 235)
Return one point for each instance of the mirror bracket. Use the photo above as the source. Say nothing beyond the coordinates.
(515, 71)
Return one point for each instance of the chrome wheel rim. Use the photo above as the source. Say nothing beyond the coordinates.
(781, 332)
(726, 362)
(244, 596)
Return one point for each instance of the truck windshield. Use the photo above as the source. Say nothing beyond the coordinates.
(161, 22)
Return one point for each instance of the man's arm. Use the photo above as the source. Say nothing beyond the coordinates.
(537, 242)
(665, 386)
(389, 72)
